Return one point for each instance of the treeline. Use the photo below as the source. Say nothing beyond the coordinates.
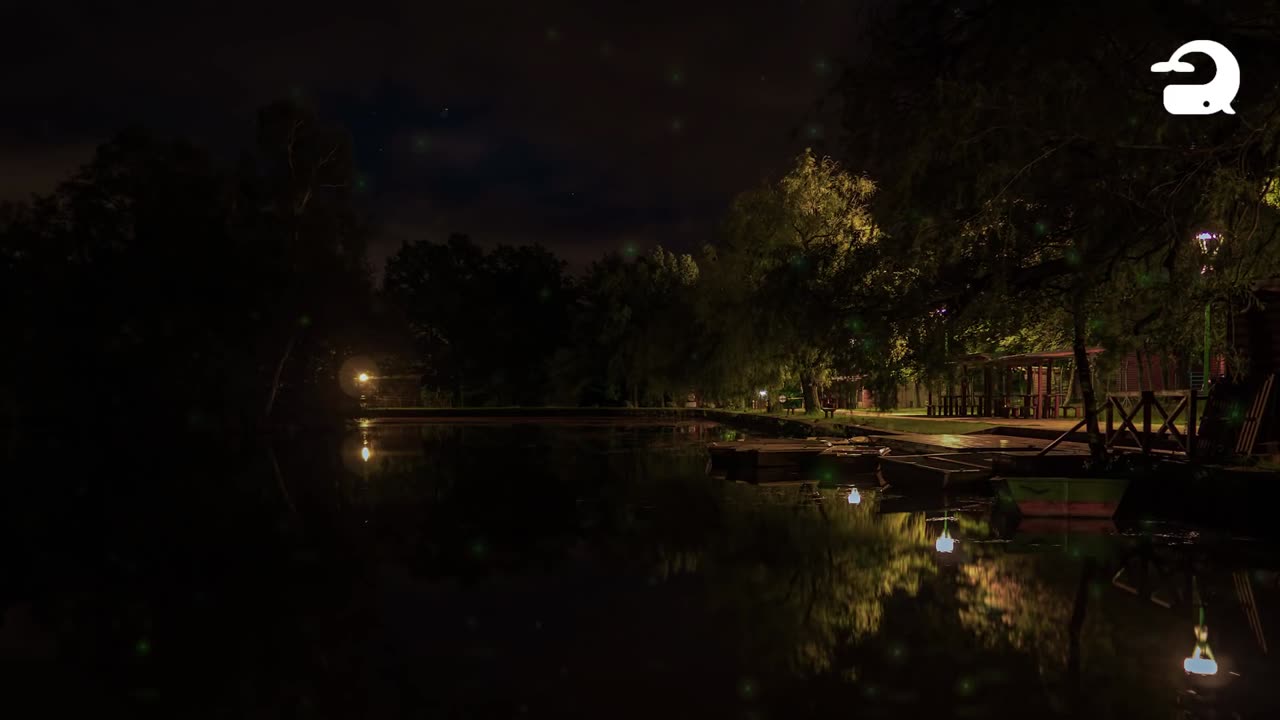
(1009, 180)
(157, 285)
(994, 193)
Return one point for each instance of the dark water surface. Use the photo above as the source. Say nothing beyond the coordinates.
(581, 570)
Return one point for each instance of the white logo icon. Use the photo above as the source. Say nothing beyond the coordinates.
(1207, 99)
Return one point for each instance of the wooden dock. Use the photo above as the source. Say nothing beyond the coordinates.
(929, 444)
(752, 460)
(916, 462)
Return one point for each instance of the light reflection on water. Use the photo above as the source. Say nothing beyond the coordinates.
(823, 592)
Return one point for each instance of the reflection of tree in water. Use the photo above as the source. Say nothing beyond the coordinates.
(803, 578)
(1039, 604)
(1003, 600)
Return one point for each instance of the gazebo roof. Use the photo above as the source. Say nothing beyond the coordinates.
(1021, 359)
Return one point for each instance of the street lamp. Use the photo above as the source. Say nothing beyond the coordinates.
(1209, 243)
(363, 377)
(855, 497)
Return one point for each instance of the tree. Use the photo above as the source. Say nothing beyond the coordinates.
(155, 282)
(634, 336)
(486, 323)
(295, 210)
(1024, 151)
(792, 250)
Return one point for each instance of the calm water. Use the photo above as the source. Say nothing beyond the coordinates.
(596, 571)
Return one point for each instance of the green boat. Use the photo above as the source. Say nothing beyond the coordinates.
(1067, 497)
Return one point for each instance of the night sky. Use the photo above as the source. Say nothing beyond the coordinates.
(583, 126)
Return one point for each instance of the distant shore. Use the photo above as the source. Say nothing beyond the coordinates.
(786, 425)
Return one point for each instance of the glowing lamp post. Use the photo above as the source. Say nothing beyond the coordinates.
(363, 377)
(855, 497)
(1209, 244)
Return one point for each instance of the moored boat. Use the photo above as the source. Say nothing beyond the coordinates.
(933, 472)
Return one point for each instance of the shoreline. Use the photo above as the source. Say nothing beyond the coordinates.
(785, 426)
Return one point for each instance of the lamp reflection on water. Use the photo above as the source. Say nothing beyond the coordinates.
(364, 453)
(1201, 661)
(945, 543)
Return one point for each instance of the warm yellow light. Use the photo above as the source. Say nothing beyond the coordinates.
(854, 496)
(364, 454)
(363, 377)
(944, 543)
(1201, 661)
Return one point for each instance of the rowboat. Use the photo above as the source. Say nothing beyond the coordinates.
(933, 472)
(820, 458)
(1067, 497)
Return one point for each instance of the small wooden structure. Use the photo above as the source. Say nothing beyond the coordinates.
(1029, 385)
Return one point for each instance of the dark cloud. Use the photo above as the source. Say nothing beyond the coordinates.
(582, 126)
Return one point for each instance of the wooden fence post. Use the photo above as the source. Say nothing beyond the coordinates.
(1192, 437)
(1148, 399)
(1110, 427)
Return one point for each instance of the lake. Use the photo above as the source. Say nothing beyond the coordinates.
(593, 569)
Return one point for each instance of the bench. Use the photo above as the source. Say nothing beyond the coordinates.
(828, 411)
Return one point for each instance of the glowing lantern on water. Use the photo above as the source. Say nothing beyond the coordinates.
(945, 544)
(1201, 661)
(854, 496)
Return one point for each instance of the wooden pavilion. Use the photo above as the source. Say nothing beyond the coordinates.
(1029, 385)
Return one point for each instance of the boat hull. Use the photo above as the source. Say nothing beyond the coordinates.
(932, 472)
(1067, 497)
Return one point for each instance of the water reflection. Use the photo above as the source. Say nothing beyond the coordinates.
(827, 593)
(595, 570)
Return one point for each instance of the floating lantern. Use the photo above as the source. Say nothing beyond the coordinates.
(945, 543)
(1201, 661)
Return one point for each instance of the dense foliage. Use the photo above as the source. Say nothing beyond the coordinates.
(155, 283)
(995, 194)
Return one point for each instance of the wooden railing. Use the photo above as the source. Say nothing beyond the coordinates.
(1121, 422)
(1023, 406)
